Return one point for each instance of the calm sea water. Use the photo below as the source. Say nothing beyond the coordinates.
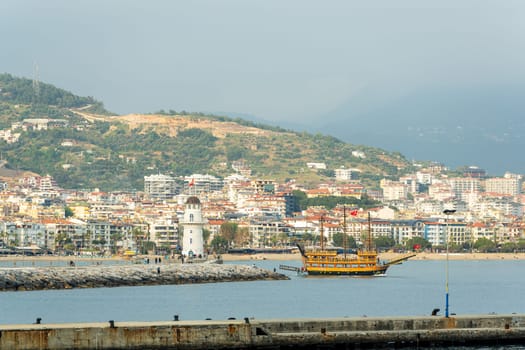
(413, 288)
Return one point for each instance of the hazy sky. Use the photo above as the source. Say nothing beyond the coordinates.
(283, 61)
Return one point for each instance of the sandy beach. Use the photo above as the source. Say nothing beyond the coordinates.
(464, 256)
(292, 256)
(387, 256)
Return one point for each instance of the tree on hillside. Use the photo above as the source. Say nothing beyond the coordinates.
(21, 90)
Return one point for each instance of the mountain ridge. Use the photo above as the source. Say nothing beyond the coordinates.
(116, 152)
(465, 125)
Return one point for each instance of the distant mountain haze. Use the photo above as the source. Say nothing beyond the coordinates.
(432, 79)
(475, 125)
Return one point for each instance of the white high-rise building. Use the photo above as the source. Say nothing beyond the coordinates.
(160, 186)
(462, 187)
(192, 240)
(508, 185)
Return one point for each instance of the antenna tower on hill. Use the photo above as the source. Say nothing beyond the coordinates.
(36, 84)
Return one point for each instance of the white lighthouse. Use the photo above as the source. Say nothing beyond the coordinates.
(192, 240)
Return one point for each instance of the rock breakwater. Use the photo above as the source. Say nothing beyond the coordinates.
(41, 278)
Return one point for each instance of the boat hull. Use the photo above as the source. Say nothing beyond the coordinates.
(365, 263)
(342, 272)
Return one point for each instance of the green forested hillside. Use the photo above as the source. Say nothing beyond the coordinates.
(40, 98)
(111, 154)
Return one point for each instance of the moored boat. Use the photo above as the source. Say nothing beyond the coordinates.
(364, 263)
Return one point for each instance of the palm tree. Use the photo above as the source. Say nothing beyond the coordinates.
(138, 236)
(3, 236)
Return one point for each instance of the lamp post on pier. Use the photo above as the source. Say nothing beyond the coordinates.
(447, 212)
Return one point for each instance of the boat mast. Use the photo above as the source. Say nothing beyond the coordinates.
(321, 232)
(369, 241)
(344, 230)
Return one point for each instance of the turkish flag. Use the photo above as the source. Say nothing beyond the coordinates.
(354, 212)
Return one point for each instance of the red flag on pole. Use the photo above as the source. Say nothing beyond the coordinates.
(354, 212)
(192, 182)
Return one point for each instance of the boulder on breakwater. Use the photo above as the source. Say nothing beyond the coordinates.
(41, 278)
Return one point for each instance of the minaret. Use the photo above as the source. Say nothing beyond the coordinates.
(192, 240)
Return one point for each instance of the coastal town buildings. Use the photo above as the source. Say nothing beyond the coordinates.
(36, 212)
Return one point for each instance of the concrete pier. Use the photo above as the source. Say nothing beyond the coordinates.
(40, 278)
(344, 333)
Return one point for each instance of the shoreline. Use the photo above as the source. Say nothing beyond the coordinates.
(280, 257)
(385, 256)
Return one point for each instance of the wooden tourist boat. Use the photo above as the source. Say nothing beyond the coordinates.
(329, 262)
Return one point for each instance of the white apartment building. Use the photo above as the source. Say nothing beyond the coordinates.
(359, 154)
(160, 186)
(265, 205)
(411, 182)
(358, 229)
(164, 232)
(463, 186)
(404, 230)
(393, 190)
(424, 177)
(430, 206)
(264, 233)
(504, 205)
(27, 234)
(316, 166)
(198, 183)
(343, 174)
(440, 191)
(43, 123)
(436, 232)
(481, 230)
(511, 186)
